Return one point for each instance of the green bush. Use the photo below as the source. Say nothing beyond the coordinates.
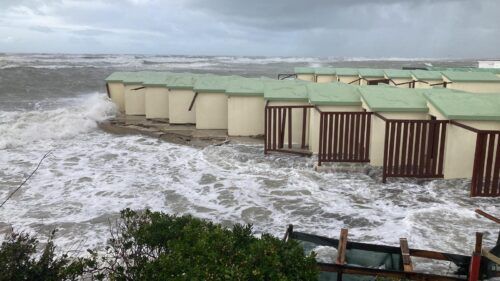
(157, 246)
(19, 260)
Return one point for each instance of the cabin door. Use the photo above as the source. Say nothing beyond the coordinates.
(486, 171)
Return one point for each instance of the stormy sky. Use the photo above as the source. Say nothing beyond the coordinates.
(333, 28)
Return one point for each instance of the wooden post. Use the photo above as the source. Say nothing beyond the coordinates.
(405, 253)
(342, 246)
(475, 262)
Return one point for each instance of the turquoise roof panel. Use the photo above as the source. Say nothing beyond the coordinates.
(303, 70)
(325, 71)
(461, 76)
(427, 75)
(397, 74)
(370, 72)
(246, 87)
(213, 83)
(344, 71)
(458, 105)
(285, 90)
(393, 99)
(333, 94)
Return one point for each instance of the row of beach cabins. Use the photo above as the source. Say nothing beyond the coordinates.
(429, 124)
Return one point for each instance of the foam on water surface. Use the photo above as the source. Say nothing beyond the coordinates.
(92, 175)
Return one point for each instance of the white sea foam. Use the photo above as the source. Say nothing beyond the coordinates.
(92, 175)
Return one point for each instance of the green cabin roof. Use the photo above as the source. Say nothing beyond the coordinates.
(285, 90)
(134, 78)
(427, 75)
(324, 71)
(393, 99)
(344, 71)
(333, 94)
(117, 76)
(461, 76)
(397, 73)
(303, 70)
(370, 72)
(246, 87)
(458, 105)
(213, 83)
(156, 79)
(181, 81)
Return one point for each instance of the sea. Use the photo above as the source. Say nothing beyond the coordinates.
(54, 102)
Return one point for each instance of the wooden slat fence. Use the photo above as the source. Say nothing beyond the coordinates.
(344, 137)
(485, 173)
(414, 148)
(275, 119)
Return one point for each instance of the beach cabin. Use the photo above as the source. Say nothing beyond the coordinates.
(211, 101)
(156, 96)
(424, 79)
(245, 107)
(405, 140)
(180, 98)
(325, 75)
(370, 76)
(472, 148)
(305, 73)
(347, 75)
(134, 93)
(399, 78)
(286, 116)
(339, 128)
(116, 89)
(474, 82)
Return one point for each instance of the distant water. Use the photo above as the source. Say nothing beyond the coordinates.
(53, 102)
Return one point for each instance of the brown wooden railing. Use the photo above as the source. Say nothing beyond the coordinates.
(486, 169)
(275, 120)
(414, 148)
(485, 174)
(344, 137)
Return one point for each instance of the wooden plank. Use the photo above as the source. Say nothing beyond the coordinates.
(342, 246)
(330, 136)
(495, 187)
(350, 150)
(280, 143)
(488, 216)
(321, 152)
(304, 122)
(367, 136)
(290, 141)
(356, 136)
(423, 143)
(386, 147)
(441, 149)
(390, 170)
(405, 253)
(341, 137)
(411, 148)
(274, 127)
(477, 170)
(335, 137)
(362, 156)
(346, 137)
(489, 163)
(404, 145)
(265, 130)
(396, 168)
(416, 154)
(430, 147)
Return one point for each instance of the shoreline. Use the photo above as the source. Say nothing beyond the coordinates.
(183, 134)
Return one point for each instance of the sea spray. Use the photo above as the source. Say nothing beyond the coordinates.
(81, 115)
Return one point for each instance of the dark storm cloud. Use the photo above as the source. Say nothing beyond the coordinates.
(368, 28)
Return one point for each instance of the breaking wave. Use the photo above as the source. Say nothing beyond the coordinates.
(81, 115)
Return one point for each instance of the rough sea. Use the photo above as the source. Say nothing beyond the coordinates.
(54, 102)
